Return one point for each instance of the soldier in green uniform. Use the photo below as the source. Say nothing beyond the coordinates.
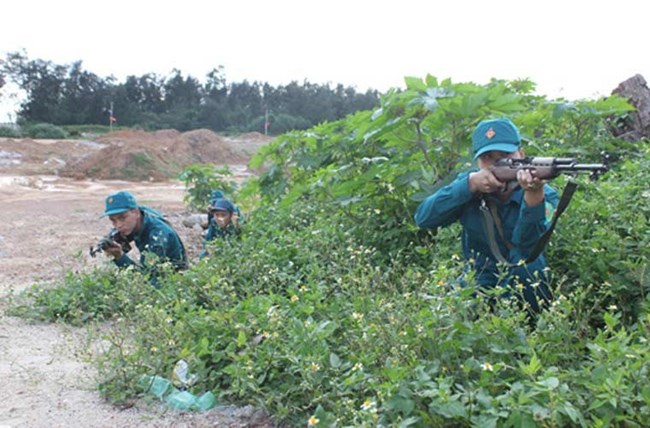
(152, 234)
(524, 213)
(224, 222)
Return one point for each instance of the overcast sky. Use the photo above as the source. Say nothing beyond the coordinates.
(570, 48)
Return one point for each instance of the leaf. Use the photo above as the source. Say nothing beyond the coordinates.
(450, 409)
(611, 320)
(574, 414)
(335, 361)
(645, 393)
(389, 126)
(409, 422)
(401, 404)
(533, 366)
(241, 339)
(324, 329)
(431, 81)
(485, 421)
(597, 404)
(415, 83)
(550, 383)
(377, 113)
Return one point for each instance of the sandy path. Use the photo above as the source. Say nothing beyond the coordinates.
(46, 226)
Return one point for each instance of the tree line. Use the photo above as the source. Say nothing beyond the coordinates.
(70, 95)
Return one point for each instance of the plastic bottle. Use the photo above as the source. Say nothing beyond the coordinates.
(181, 376)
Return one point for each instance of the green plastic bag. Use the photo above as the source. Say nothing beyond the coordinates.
(177, 399)
(206, 401)
(184, 400)
(181, 400)
(158, 386)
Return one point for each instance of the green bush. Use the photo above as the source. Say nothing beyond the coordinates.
(201, 180)
(304, 320)
(602, 240)
(9, 132)
(45, 130)
(81, 298)
(334, 310)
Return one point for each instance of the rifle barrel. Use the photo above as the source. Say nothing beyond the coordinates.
(564, 161)
(583, 167)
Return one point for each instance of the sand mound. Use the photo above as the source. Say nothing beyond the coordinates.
(33, 157)
(160, 155)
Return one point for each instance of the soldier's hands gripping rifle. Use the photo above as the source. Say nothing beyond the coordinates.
(114, 237)
(545, 168)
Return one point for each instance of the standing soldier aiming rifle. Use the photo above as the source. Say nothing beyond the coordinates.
(505, 208)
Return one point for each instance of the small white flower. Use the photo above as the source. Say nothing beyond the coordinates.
(487, 367)
(368, 405)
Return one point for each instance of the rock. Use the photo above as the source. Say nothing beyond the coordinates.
(196, 219)
(637, 124)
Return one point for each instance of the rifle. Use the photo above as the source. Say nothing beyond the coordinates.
(113, 237)
(546, 168)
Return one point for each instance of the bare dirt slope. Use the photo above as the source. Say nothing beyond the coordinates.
(47, 224)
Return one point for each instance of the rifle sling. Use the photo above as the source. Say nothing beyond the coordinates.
(491, 219)
(497, 222)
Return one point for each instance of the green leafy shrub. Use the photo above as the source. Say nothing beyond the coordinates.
(334, 310)
(602, 241)
(45, 130)
(201, 179)
(9, 132)
(81, 298)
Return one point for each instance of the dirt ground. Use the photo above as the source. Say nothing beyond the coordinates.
(47, 224)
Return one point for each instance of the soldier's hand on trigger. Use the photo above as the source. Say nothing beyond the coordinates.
(114, 250)
(529, 182)
(484, 181)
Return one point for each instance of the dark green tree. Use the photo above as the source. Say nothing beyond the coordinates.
(84, 97)
(214, 106)
(43, 83)
(244, 104)
(67, 94)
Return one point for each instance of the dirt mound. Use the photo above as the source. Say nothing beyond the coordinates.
(210, 147)
(160, 155)
(29, 157)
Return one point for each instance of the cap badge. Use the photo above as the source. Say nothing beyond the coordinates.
(490, 133)
(110, 201)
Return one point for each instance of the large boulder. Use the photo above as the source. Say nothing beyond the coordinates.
(637, 124)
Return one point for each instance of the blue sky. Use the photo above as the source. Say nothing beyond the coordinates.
(571, 49)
